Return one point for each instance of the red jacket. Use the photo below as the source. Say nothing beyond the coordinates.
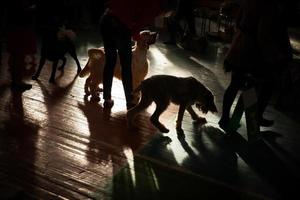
(135, 14)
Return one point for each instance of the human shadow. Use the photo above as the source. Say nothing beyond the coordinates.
(17, 150)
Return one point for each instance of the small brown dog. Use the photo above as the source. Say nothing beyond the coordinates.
(163, 89)
(96, 62)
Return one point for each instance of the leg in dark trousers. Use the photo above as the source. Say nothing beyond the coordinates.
(125, 54)
(236, 83)
(117, 40)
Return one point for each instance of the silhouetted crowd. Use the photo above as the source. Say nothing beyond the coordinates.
(259, 53)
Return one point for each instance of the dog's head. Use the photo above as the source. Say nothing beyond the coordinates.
(204, 97)
(207, 103)
(146, 39)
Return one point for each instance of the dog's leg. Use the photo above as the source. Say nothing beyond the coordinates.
(38, 72)
(194, 115)
(52, 77)
(160, 107)
(179, 118)
(62, 67)
(74, 56)
(86, 86)
(78, 65)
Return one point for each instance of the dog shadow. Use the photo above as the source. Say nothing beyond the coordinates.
(54, 94)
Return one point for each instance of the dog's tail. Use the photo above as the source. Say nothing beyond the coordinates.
(85, 71)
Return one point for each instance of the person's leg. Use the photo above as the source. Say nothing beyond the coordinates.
(108, 71)
(125, 54)
(110, 59)
(236, 83)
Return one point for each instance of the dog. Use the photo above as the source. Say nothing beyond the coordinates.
(54, 47)
(183, 91)
(96, 62)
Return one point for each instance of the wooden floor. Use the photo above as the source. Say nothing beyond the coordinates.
(55, 144)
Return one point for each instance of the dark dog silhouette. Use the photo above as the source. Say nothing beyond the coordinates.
(183, 91)
(54, 48)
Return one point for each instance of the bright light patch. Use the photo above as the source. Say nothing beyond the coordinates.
(176, 148)
(159, 59)
(156, 184)
(130, 160)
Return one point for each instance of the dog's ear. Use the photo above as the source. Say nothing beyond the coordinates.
(144, 33)
(152, 38)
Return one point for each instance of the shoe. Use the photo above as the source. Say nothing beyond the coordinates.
(109, 103)
(265, 122)
(224, 124)
(21, 86)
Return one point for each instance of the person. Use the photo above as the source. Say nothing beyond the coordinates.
(122, 21)
(258, 52)
(184, 10)
(21, 40)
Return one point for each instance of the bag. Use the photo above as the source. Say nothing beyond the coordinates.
(243, 54)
